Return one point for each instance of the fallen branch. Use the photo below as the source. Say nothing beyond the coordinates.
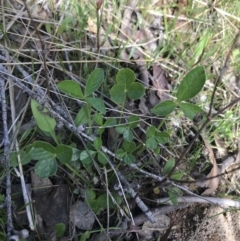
(213, 200)
(8, 199)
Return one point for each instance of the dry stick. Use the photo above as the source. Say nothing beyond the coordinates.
(8, 200)
(135, 196)
(20, 174)
(217, 201)
(209, 117)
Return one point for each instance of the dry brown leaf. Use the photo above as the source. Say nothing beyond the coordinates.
(221, 147)
(212, 184)
(160, 82)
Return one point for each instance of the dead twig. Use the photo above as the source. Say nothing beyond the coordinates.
(8, 199)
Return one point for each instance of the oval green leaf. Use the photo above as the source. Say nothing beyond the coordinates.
(133, 121)
(85, 158)
(46, 168)
(125, 77)
(40, 154)
(151, 143)
(64, 153)
(168, 166)
(59, 229)
(94, 81)
(164, 108)
(97, 143)
(98, 118)
(129, 159)
(71, 88)
(162, 137)
(110, 122)
(120, 153)
(83, 115)
(76, 154)
(173, 197)
(24, 157)
(177, 175)
(128, 135)
(190, 110)
(121, 128)
(118, 94)
(42, 117)
(135, 91)
(129, 147)
(44, 145)
(151, 130)
(102, 158)
(97, 104)
(191, 84)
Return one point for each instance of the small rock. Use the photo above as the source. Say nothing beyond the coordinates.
(82, 216)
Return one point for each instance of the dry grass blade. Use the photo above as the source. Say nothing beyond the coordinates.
(160, 82)
(212, 183)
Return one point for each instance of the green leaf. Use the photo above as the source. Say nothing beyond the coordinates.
(64, 153)
(121, 128)
(120, 153)
(97, 143)
(48, 28)
(118, 94)
(97, 104)
(76, 154)
(177, 175)
(190, 110)
(150, 131)
(125, 77)
(162, 137)
(85, 158)
(102, 157)
(83, 116)
(168, 166)
(40, 154)
(71, 88)
(205, 36)
(94, 81)
(164, 108)
(98, 119)
(135, 91)
(43, 119)
(24, 157)
(129, 159)
(46, 167)
(85, 236)
(90, 194)
(151, 143)
(173, 197)
(59, 229)
(128, 135)
(133, 121)
(129, 146)
(191, 84)
(110, 122)
(44, 145)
